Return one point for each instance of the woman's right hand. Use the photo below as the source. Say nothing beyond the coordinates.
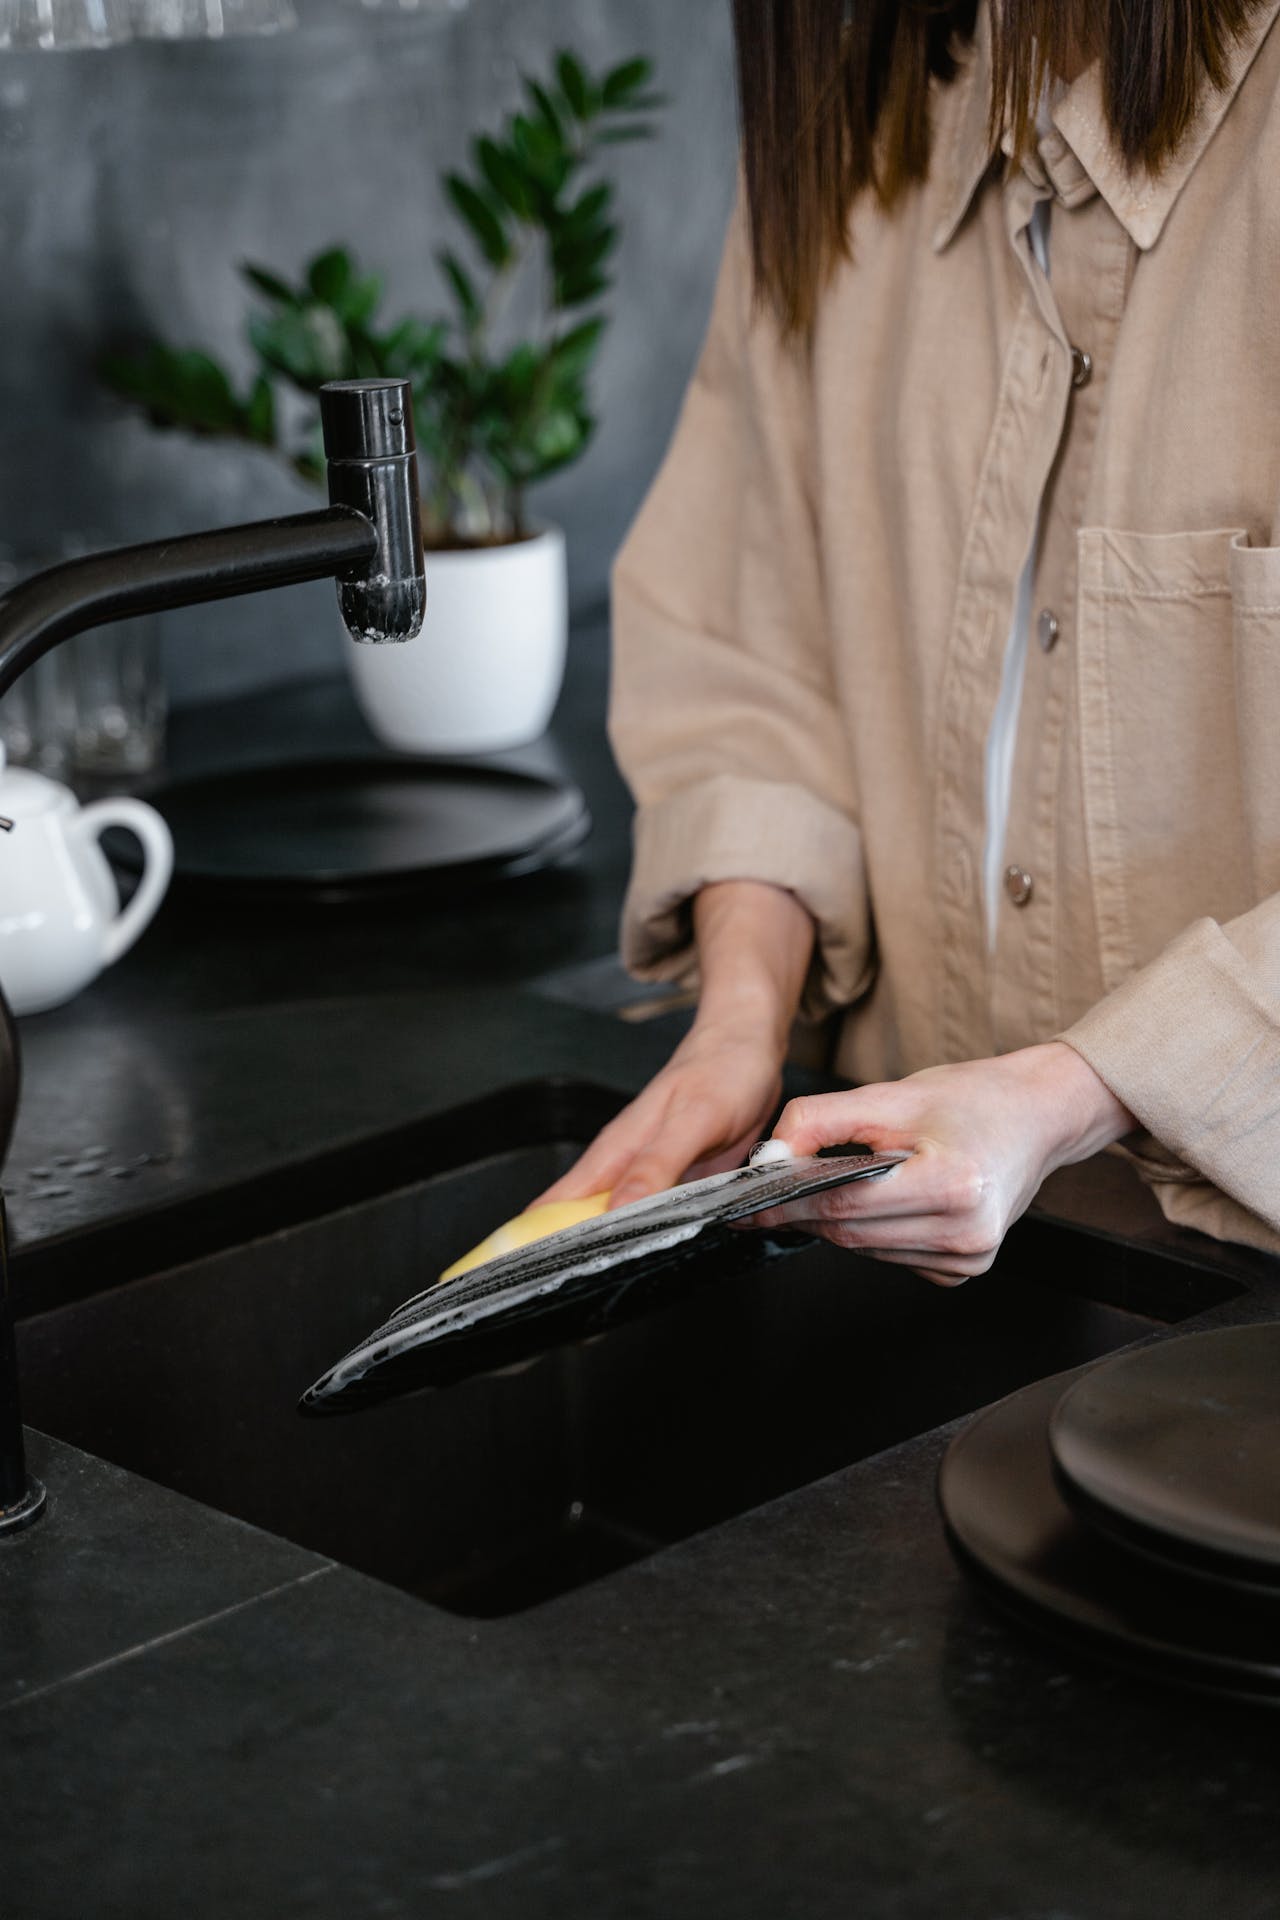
(717, 1094)
(701, 1114)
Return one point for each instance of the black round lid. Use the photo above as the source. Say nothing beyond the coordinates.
(1174, 1450)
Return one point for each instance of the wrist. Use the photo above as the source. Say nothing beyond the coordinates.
(748, 1020)
(1081, 1113)
(755, 943)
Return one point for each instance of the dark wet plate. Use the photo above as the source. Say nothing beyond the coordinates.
(576, 1282)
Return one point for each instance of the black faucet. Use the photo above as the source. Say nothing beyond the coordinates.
(369, 538)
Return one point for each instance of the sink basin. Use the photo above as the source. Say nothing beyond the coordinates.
(502, 1491)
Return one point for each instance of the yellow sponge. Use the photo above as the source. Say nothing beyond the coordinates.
(536, 1224)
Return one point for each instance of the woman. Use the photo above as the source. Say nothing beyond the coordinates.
(948, 639)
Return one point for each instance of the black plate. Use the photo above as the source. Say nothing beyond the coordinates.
(1010, 1528)
(575, 1282)
(1175, 1451)
(337, 829)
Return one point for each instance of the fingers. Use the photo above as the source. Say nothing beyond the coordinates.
(906, 1232)
(938, 1246)
(935, 1213)
(650, 1146)
(732, 1156)
(943, 1238)
(604, 1162)
(929, 1266)
(664, 1160)
(594, 1172)
(872, 1115)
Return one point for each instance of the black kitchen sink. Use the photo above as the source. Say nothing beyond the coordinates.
(504, 1490)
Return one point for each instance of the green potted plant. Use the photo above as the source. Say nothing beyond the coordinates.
(501, 401)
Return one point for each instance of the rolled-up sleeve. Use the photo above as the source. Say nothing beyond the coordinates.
(1191, 1045)
(723, 716)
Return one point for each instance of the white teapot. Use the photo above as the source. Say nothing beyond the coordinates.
(60, 916)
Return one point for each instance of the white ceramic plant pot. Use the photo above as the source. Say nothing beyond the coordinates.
(486, 669)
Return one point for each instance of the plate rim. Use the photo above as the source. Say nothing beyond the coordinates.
(565, 832)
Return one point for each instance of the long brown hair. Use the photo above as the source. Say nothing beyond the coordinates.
(834, 99)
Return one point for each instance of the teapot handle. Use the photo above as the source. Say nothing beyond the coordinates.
(157, 849)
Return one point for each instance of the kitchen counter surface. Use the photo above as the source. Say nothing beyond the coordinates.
(805, 1711)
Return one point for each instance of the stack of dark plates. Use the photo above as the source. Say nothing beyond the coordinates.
(1134, 1508)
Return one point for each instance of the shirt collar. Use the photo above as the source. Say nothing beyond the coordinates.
(1141, 202)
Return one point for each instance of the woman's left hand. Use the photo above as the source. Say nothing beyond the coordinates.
(982, 1137)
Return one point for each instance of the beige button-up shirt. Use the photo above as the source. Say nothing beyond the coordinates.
(811, 612)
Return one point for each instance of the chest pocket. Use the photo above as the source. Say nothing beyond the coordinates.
(1179, 690)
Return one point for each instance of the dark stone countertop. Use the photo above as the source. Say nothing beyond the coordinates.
(803, 1712)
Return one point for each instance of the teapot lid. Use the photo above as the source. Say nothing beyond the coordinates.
(24, 795)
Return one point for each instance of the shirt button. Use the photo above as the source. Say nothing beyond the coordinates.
(1081, 367)
(1019, 885)
(1047, 630)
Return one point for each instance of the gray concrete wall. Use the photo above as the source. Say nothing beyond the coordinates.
(133, 180)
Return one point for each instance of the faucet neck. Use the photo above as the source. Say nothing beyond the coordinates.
(39, 613)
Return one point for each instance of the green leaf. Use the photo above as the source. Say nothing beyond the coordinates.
(575, 289)
(576, 87)
(309, 347)
(123, 373)
(621, 83)
(520, 371)
(260, 415)
(413, 349)
(482, 219)
(359, 301)
(573, 353)
(595, 247)
(557, 437)
(269, 283)
(185, 388)
(205, 391)
(329, 275)
(463, 289)
(311, 466)
(541, 152)
(547, 439)
(586, 211)
(505, 175)
(367, 361)
(545, 106)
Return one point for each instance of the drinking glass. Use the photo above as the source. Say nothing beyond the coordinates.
(96, 704)
(104, 23)
(209, 19)
(63, 23)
